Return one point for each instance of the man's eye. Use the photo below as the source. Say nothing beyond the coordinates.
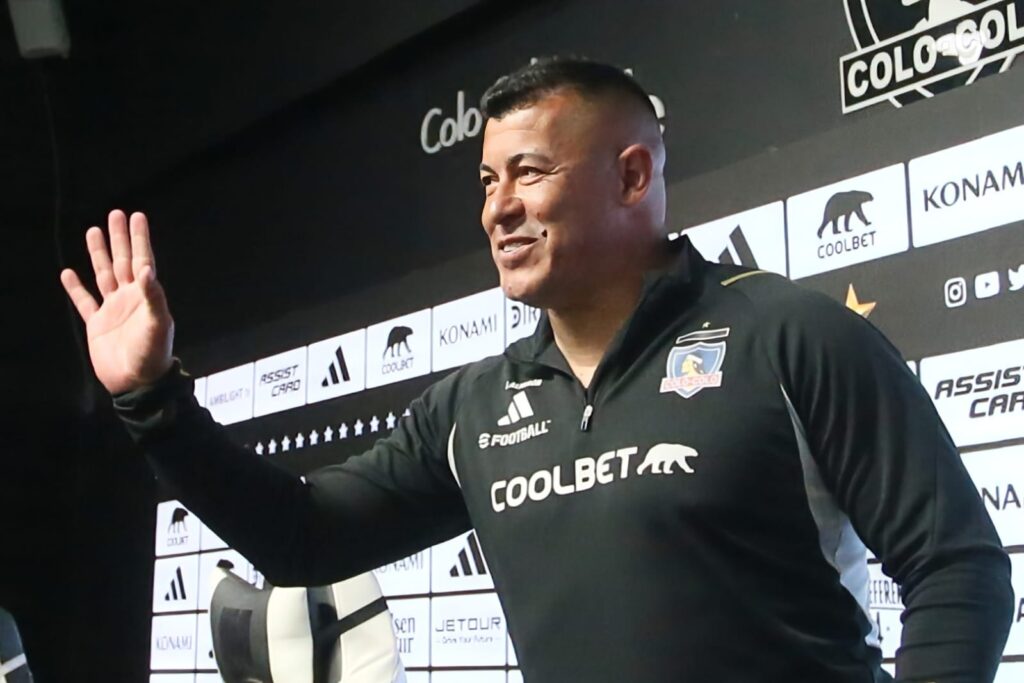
(486, 180)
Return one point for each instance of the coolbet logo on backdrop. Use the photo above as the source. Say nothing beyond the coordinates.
(755, 238)
(440, 130)
(398, 349)
(852, 221)
(695, 362)
(979, 393)
(911, 49)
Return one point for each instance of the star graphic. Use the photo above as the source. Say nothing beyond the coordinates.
(286, 443)
(314, 437)
(300, 440)
(343, 431)
(359, 427)
(328, 434)
(854, 304)
(390, 420)
(259, 449)
(407, 413)
(273, 446)
(374, 424)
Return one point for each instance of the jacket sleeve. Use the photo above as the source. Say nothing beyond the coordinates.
(893, 468)
(335, 522)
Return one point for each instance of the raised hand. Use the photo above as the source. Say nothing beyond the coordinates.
(131, 333)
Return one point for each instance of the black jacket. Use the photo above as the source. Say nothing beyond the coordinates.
(696, 514)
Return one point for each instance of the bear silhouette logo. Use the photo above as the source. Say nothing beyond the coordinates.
(662, 456)
(177, 525)
(397, 338)
(844, 205)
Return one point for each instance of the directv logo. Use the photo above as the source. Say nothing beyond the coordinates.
(336, 368)
(471, 560)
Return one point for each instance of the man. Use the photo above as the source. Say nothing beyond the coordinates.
(671, 479)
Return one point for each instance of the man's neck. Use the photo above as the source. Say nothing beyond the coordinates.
(583, 333)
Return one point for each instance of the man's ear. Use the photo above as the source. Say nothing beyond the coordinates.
(636, 172)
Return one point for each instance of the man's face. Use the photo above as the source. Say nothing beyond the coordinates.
(550, 183)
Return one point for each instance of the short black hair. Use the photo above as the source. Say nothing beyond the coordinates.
(527, 85)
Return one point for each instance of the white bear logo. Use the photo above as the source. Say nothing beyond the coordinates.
(662, 456)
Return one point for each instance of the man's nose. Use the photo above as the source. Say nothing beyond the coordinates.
(503, 210)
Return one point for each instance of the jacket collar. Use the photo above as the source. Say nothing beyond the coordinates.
(683, 274)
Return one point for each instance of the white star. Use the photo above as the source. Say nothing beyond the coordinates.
(374, 424)
(286, 443)
(259, 449)
(314, 437)
(273, 446)
(328, 434)
(407, 413)
(343, 431)
(359, 427)
(300, 440)
(390, 420)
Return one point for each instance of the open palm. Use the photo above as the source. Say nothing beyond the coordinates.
(130, 334)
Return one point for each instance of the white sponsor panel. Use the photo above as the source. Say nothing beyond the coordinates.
(979, 392)
(459, 565)
(175, 584)
(515, 676)
(174, 678)
(229, 394)
(913, 366)
(969, 188)
(280, 382)
(417, 677)
(173, 642)
(199, 390)
(205, 658)
(209, 678)
(885, 609)
(468, 677)
(408, 576)
(208, 540)
(467, 630)
(1010, 672)
(852, 221)
(520, 320)
(468, 329)
(410, 620)
(1015, 642)
(398, 349)
(177, 529)
(513, 658)
(241, 567)
(755, 238)
(337, 367)
(999, 476)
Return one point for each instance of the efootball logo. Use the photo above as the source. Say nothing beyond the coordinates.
(909, 50)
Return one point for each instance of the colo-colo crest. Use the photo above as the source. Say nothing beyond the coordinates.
(695, 362)
(908, 50)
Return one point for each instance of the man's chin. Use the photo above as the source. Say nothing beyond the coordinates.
(524, 292)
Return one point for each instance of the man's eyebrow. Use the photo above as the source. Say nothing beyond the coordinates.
(516, 159)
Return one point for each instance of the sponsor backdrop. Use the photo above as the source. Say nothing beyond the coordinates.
(876, 165)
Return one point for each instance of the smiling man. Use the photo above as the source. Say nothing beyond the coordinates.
(675, 479)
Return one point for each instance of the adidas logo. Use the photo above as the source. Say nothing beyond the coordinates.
(338, 367)
(518, 409)
(177, 591)
(737, 252)
(471, 560)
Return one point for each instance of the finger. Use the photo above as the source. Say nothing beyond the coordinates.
(154, 293)
(142, 250)
(80, 296)
(120, 247)
(100, 257)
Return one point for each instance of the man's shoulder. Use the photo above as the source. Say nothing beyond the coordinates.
(773, 296)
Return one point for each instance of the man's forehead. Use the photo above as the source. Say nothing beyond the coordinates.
(553, 121)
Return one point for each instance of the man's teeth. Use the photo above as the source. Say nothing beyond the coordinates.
(509, 248)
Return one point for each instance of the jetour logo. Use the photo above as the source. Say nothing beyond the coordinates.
(912, 49)
(439, 131)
